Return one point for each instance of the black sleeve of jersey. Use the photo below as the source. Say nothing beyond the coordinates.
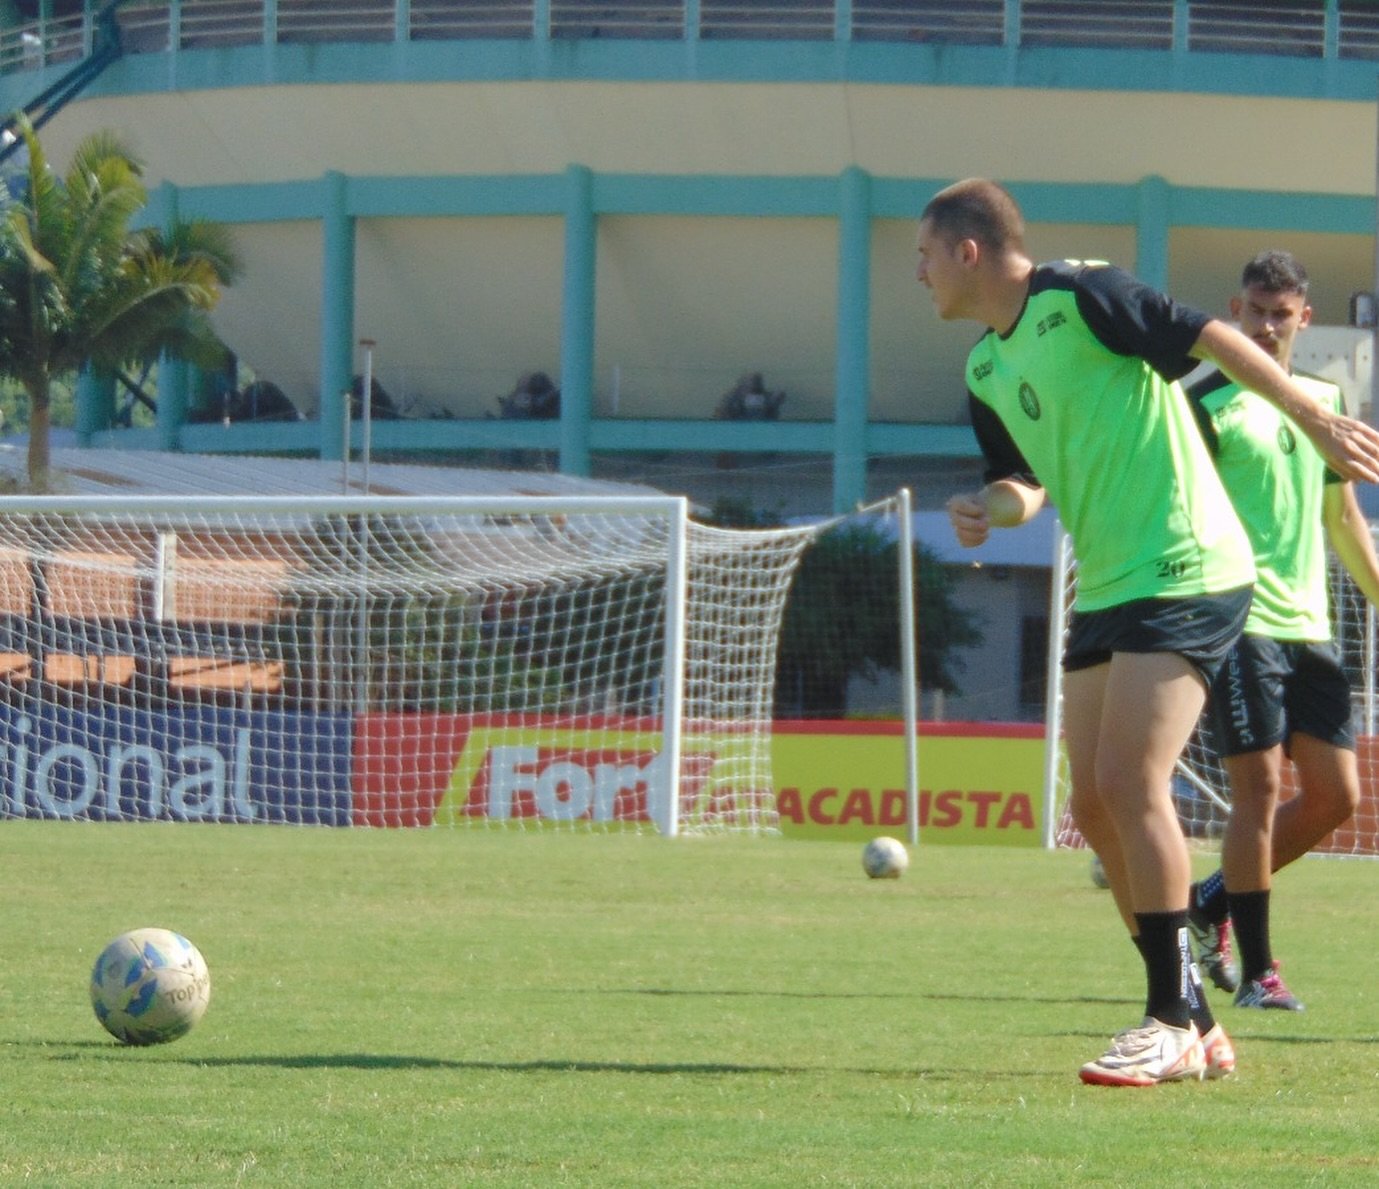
(1132, 318)
(1196, 393)
(1003, 457)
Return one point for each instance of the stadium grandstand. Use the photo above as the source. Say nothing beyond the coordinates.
(645, 205)
(672, 244)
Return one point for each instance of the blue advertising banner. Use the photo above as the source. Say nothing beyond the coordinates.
(185, 764)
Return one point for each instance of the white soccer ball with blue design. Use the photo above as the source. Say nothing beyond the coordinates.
(150, 986)
(885, 858)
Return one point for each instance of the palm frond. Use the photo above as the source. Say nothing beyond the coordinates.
(79, 284)
(201, 242)
(96, 153)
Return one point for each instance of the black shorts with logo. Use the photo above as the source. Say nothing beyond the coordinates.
(1267, 689)
(1201, 630)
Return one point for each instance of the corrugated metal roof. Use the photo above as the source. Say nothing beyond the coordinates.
(150, 472)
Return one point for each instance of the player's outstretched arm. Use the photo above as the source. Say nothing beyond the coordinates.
(1003, 504)
(1350, 446)
(1348, 532)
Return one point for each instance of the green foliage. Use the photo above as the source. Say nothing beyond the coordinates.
(731, 512)
(79, 284)
(524, 645)
(474, 1007)
(841, 620)
(14, 406)
(431, 653)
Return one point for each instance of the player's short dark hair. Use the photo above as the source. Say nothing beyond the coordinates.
(976, 209)
(1275, 271)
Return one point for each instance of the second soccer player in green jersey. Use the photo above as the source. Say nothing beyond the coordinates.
(1282, 691)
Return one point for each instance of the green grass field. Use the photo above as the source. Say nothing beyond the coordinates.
(456, 1008)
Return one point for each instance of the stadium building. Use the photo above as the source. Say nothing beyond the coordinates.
(694, 219)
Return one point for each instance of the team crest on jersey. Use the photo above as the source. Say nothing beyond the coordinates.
(1029, 401)
(1287, 442)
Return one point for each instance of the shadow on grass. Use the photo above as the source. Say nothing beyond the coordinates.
(396, 1061)
(1254, 1038)
(914, 996)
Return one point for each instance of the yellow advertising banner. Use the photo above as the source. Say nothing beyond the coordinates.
(978, 783)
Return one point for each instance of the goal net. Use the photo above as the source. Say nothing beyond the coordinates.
(576, 662)
(1201, 791)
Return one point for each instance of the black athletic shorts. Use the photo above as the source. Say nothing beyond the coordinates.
(1267, 689)
(1200, 629)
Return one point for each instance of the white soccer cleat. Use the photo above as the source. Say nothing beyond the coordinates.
(1149, 1054)
(1219, 1052)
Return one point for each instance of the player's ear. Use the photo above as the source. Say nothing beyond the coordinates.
(969, 251)
(1236, 306)
(1305, 318)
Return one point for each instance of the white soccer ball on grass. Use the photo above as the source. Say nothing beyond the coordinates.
(885, 858)
(150, 986)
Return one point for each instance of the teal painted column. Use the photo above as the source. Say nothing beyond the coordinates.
(172, 373)
(172, 402)
(852, 381)
(337, 312)
(95, 393)
(1152, 215)
(541, 36)
(842, 20)
(577, 322)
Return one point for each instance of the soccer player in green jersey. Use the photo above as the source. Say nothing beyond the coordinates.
(1073, 395)
(1282, 690)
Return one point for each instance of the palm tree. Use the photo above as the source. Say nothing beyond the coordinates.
(78, 286)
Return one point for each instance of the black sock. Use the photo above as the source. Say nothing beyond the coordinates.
(1172, 997)
(1198, 1007)
(1198, 1010)
(1250, 916)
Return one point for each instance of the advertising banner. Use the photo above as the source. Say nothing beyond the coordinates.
(189, 764)
(419, 769)
(978, 782)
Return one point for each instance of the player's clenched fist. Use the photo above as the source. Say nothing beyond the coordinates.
(967, 514)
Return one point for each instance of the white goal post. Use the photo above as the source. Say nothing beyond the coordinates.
(578, 662)
(1201, 791)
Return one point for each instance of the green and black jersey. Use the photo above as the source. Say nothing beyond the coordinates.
(1277, 481)
(1080, 398)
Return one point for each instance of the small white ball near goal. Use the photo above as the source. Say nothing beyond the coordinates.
(1099, 873)
(150, 986)
(885, 858)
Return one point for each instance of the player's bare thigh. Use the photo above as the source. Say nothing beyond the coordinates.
(1149, 705)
